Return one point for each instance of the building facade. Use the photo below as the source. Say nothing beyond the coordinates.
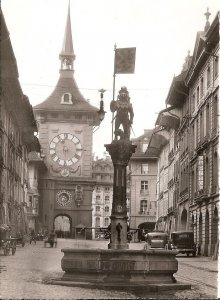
(102, 197)
(142, 175)
(66, 122)
(36, 166)
(189, 150)
(203, 82)
(17, 139)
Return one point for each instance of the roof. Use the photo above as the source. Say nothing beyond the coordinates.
(66, 85)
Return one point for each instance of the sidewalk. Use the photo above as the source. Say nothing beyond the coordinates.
(201, 262)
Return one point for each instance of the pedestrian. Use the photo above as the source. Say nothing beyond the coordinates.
(52, 238)
(33, 237)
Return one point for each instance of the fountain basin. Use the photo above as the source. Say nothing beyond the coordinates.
(107, 266)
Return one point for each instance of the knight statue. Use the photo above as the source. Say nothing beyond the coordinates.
(124, 114)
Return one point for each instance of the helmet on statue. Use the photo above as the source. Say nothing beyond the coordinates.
(123, 93)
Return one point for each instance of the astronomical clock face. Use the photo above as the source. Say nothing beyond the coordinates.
(64, 198)
(65, 150)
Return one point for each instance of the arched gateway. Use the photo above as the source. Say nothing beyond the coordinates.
(62, 226)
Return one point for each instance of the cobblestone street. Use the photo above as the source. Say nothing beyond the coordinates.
(22, 275)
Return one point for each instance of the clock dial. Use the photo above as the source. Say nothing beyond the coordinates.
(65, 149)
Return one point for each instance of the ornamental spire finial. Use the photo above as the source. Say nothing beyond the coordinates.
(207, 15)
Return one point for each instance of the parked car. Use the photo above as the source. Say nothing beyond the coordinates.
(156, 240)
(183, 242)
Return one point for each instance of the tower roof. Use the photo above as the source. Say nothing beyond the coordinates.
(66, 83)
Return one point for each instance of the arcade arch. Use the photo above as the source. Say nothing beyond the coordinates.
(62, 226)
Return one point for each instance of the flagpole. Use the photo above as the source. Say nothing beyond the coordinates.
(113, 92)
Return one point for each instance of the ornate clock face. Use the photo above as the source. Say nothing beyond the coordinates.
(65, 149)
(64, 198)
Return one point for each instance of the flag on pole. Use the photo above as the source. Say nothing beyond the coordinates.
(125, 60)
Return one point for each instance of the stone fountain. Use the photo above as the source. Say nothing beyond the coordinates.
(119, 266)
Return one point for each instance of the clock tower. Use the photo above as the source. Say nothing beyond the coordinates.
(66, 122)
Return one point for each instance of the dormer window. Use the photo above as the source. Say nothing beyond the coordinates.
(66, 99)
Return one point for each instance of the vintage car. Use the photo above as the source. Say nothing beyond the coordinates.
(156, 240)
(183, 242)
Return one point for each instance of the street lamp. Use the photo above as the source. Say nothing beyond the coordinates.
(101, 111)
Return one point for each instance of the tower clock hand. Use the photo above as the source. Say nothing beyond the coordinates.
(65, 149)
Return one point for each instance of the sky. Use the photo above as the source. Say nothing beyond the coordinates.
(163, 31)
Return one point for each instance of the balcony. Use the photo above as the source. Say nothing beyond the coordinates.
(201, 195)
(183, 192)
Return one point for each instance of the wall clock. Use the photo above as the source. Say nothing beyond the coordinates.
(65, 149)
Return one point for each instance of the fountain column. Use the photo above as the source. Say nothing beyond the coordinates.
(120, 152)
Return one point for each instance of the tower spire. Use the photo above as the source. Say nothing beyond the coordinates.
(67, 55)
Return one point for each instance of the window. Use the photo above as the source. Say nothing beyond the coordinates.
(193, 99)
(66, 99)
(106, 221)
(98, 190)
(107, 198)
(207, 120)
(107, 189)
(200, 170)
(30, 201)
(143, 206)
(201, 87)
(215, 113)
(144, 168)
(144, 185)
(97, 209)
(97, 222)
(216, 66)
(208, 76)
(197, 94)
(98, 198)
(106, 209)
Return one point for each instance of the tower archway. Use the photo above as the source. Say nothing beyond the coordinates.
(63, 226)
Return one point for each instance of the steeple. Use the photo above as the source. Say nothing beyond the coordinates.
(67, 55)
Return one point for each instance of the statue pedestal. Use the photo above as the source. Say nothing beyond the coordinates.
(120, 152)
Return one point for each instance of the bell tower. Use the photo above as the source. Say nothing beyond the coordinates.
(66, 122)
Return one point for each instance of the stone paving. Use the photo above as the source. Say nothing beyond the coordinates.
(22, 275)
